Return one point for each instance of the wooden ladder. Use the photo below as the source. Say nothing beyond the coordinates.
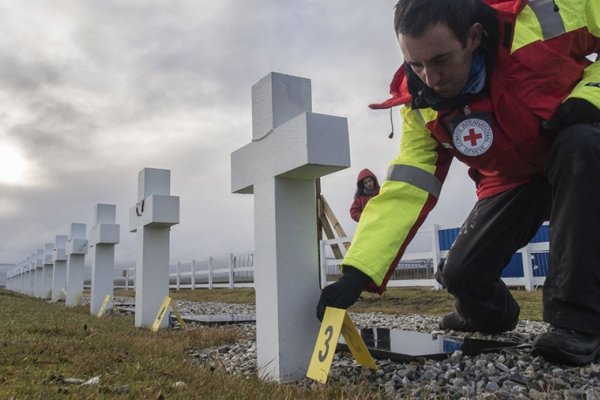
(329, 224)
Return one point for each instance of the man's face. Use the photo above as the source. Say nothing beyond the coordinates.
(440, 59)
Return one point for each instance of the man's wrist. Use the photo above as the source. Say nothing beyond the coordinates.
(356, 276)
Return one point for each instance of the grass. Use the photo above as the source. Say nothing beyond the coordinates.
(44, 344)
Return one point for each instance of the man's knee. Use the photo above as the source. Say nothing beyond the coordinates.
(452, 275)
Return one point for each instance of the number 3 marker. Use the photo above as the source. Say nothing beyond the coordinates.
(335, 322)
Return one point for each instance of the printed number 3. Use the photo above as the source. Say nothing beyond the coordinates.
(329, 334)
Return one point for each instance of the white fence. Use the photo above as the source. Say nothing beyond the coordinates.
(232, 271)
(204, 274)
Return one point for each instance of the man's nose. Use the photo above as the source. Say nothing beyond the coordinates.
(432, 76)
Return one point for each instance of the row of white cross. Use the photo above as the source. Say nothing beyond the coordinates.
(291, 147)
(56, 272)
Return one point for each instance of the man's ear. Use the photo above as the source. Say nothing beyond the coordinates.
(474, 37)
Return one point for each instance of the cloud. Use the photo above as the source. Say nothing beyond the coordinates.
(94, 91)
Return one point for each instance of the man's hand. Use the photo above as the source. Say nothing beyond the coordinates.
(573, 111)
(344, 292)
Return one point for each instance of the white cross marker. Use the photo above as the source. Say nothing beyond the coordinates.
(47, 271)
(59, 278)
(31, 274)
(291, 147)
(103, 237)
(37, 278)
(26, 280)
(76, 249)
(152, 217)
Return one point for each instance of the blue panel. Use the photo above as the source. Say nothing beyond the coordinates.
(447, 237)
(542, 235)
(450, 345)
(540, 264)
(514, 269)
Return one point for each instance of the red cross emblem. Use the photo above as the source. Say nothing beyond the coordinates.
(472, 137)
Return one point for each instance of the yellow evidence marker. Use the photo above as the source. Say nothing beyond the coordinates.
(103, 307)
(335, 322)
(162, 311)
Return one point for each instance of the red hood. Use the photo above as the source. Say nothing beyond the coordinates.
(399, 88)
(365, 173)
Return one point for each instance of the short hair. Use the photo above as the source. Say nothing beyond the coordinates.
(413, 17)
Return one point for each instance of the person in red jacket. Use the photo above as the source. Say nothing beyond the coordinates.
(510, 89)
(366, 188)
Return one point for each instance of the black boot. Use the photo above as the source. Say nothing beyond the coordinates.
(566, 346)
(454, 321)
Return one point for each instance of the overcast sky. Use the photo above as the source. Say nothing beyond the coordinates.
(94, 91)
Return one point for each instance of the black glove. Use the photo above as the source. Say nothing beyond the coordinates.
(573, 111)
(344, 292)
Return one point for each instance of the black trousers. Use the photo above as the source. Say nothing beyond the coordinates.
(569, 196)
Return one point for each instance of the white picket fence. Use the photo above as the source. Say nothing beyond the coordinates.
(203, 274)
(232, 271)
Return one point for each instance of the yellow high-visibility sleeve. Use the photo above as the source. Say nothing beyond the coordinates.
(390, 219)
(589, 87)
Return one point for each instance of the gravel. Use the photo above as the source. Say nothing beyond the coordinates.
(508, 374)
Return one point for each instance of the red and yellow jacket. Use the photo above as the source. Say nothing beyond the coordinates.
(539, 61)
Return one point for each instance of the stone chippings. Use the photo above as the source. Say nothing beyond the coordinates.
(509, 374)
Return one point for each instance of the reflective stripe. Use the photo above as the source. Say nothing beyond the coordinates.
(550, 21)
(420, 116)
(416, 177)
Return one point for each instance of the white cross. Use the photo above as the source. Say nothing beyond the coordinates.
(22, 277)
(76, 249)
(103, 237)
(31, 274)
(47, 271)
(152, 217)
(291, 147)
(37, 278)
(59, 277)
